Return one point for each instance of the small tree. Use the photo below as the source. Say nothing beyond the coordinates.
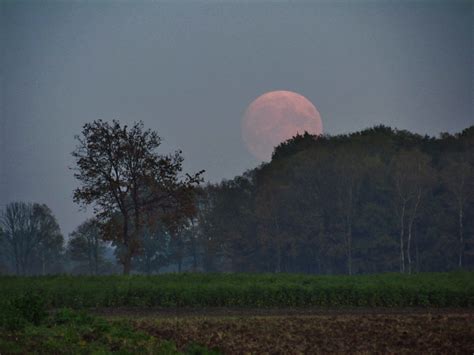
(32, 237)
(86, 247)
(128, 182)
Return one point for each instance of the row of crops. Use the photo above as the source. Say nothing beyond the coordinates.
(247, 290)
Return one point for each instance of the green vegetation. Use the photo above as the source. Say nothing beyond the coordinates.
(48, 314)
(26, 327)
(248, 290)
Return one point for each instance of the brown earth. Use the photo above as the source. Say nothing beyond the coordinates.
(310, 331)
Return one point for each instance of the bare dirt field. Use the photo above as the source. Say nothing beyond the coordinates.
(294, 331)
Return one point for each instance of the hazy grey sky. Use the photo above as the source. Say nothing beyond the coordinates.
(189, 70)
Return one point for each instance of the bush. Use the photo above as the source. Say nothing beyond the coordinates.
(31, 307)
(10, 319)
(28, 308)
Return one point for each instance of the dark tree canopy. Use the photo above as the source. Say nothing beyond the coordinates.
(372, 201)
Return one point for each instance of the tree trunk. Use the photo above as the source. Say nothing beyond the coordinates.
(349, 227)
(180, 250)
(278, 246)
(410, 229)
(147, 264)
(195, 261)
(349, 256)
(90, 259)
(409, 247)
(461, 236)
(349, 245)
(417, 253)
(126, 258)
(96, 258)
(43, 263)
(127, 264)
(278, 265)
(402, 235)
(17, 260)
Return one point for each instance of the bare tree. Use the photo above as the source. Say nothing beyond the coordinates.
(31, 233)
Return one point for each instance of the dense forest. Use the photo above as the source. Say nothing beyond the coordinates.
(379, 200)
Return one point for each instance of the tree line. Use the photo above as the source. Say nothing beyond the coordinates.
(379, 200)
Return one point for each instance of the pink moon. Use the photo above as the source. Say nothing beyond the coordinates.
(275, 117)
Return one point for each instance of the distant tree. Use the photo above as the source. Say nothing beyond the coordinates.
(86, 247)
(210, 221)
(32, 237)
(155, 251)
(350, 168)
(49, 254)
(457, 175)
(192, 243)
(412, 177)
(270, 212)
(317, 209)
(225, 223)
(129, 183)
(3, 253)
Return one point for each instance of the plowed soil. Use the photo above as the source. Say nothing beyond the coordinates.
(310, 331)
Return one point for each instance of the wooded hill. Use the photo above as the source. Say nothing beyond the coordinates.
(372, 201)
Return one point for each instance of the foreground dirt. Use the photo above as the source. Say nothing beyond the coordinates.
(313, 331)
(187, 312)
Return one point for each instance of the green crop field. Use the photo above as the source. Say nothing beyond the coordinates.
(248, 290)
(54, 314)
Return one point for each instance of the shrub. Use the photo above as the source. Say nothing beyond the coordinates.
(31, 307)
(28, 308)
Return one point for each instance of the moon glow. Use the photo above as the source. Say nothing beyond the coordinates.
(275, 117)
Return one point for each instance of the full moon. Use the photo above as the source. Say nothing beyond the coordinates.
(275, 117)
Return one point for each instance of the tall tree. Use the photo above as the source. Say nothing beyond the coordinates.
(127, 181)
(311, 189)
(412, 178)
(271, 208)
(457, 176)
(350, 172)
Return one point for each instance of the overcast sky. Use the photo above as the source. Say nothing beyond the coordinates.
(189, 70)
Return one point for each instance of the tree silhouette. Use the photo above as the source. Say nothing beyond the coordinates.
(129, 183)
